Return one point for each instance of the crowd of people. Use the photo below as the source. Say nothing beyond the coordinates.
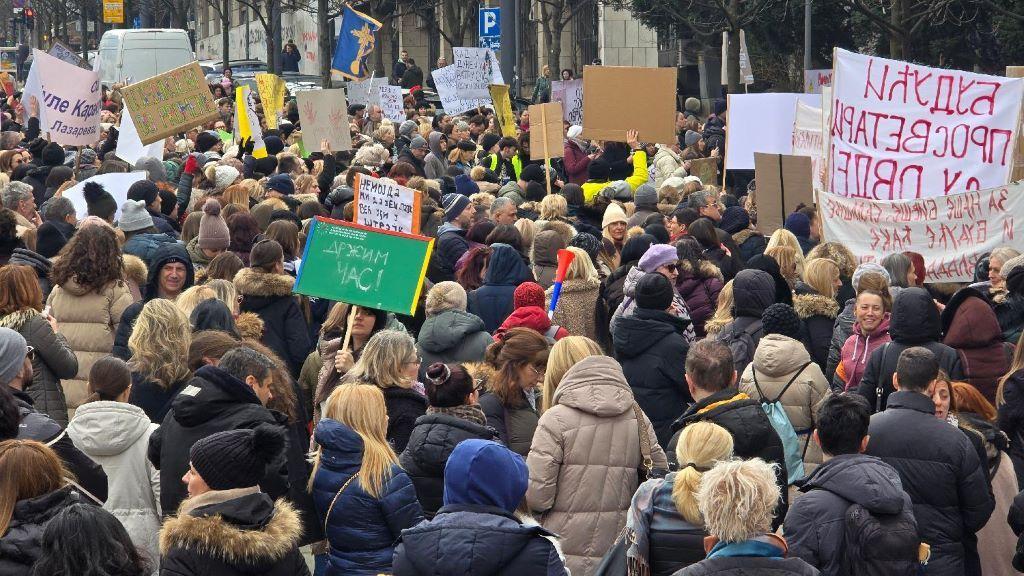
(706, 397)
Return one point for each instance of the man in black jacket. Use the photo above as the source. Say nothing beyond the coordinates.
(451, 237)
(711, 379)
(229, 396)
(937, 464)
(170, 273)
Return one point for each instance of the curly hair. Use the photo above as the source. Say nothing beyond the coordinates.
(92, 259)
(159, 343)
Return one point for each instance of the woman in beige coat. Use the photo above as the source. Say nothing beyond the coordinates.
(89, 295)
(584, 458)
(780, 356)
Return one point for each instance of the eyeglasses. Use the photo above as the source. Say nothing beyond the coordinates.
(478, 386)
(538, 371)
(414, 360)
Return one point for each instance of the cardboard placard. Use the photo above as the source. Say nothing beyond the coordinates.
(503, 108)
(391, 103)
(477, 69)
(706, 169)
(783, 182)
(620, 98)
(363, 266)
(175, 101)
(271, 90)
(546, 126)
(386, 205)
(324, 115)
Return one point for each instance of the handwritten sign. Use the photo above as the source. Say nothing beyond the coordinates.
(271, 90)
(324, 115)
(476, 71)
(364, 92)
(903, 131)
(391, 103)
(385, 205)
(570, 94)
(951, 232)
(546, 126)
(363, 266)
(503, 109)
(68, 99)
(814, 80)
(60, 51)
(809, 141)
(171, 102)
(446, 80)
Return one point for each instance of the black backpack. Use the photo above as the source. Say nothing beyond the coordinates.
(879, 545)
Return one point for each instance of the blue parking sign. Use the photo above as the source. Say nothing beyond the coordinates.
(490, 23)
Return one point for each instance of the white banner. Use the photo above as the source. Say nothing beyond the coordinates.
(116, 183)
(746, 72)
(477, 68)
(808, 140)
(365, 92)
(815, 80)
(570, 94)
(385, 205)
(761, 123)
(68, 99)
(129, 145)
(446, 80)
(902, 131)
(951, 232)
(390, 99)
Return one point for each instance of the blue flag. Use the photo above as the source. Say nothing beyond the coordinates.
(355, 44)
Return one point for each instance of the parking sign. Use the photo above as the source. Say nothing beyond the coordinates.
(490, 23)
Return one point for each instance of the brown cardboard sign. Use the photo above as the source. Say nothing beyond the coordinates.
(706, 169)
(175, 101)
(783, 182)
(546, 119)
(324, 116)
(621, 98)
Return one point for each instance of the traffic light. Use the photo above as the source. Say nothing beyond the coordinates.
(30, 18)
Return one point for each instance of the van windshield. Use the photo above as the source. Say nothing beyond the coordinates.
(142, 64)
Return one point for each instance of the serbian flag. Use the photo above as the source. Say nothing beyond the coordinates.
(356, 41)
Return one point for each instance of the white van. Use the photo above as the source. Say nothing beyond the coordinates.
(135, 55)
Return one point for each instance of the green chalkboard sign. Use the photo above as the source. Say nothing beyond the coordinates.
(364, 266)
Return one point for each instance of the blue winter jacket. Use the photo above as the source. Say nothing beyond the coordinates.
(492, 302)
(362, 530)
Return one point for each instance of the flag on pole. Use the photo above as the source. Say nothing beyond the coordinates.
(356, 41)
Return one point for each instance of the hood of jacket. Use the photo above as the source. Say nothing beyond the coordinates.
(753, 291)
(208, 395)
(632, 279)
(637, 333)
(256, 283)
(26, 257)
(779, 355)
(437, 433)
(341, 448)
(506, 267)
(17, 320)
(446, 330)
(485, 473)
(533, 317)
(810, 304)
(861, 479)
(545, 248)
(968, 321)
(915, 319)
(161, 257)
(434, 143)
(250, 533)
(449, 227)
(596, 386)
(105, 428)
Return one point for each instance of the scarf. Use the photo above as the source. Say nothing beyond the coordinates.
(470, 413)
(765, 546)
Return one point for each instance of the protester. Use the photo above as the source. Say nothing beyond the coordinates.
(971, 328)
(870, 332)
(699, 283)
(170, 273)
(662, 259)
(336, 362)
(517, 364)
(753, 292)
(81, 537)
(492, 301)
(579, 308)
(530, 312)
(815, 302)
(900, 269)
(867, 276)
(159, 345)
(450, 334)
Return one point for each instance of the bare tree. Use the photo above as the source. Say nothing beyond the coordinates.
(223, 10)
(903, 21)
(555, 16)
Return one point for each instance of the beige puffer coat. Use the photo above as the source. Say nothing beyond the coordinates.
(88, 320)
(584, 458)
(776, 360)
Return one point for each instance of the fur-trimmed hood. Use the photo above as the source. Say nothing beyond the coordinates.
(807, 305)
(135, 270)
(705, 269)
(255, 282)
(242, 527)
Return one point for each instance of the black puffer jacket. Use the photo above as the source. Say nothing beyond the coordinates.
(749, 566)
(651, 347)
(753, 291)
(450, 246)
(914, 322)
(673, 543)
(54, 359)
(430, 444)
(213, 401)
(752, 434)
(404, 407)
(939, 469)
(284, 326)
(1011, 420)
(21, 545)
(818, 314)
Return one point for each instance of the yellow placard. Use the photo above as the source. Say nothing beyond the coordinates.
(271, 91)
(113, 11)
(503, 106)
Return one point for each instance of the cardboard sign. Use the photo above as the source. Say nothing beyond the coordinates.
(116, 183)
(391, 103)
(761, 123)
(172, 102)
(503, 108)
(324, 114)
(130, 147)
(815, 80)
(783, 182)
(622, 98)
(385, 205)
(546, 130)
(951, 232)
(903, 131)
(271, 90)
(446, 81)
(364, 92)
(60, 51)
(809, 141)
(68, 100)
(706, 169)
(362, 266)
(570, 94)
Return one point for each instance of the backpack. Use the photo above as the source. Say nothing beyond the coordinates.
(784, 428)
(741, 344)
(877, 545)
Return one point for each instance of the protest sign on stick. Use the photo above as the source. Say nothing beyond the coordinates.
(503, 110)
(129, 147)
(622, 98)
(386, 205)
(475, 69)
(365, 92)
(951, 232)
(546, 135)
(391, 103)
(271, 90)
(172, 102)
(903, 131)
(783, 183)
(446, 81)
(570, 94)
(324, 116)
(67, 98)
(706, 169)
(761, 123)
(360, 265)
(59, 50)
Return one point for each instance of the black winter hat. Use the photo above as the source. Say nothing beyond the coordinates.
(487, 141)
(654, 292)
(532, 173)
(781, 319)
(53, 155)
(49, 240)
(98, 201)
(734, 219)
(273, 144)
(236, 458)
(143, 190)
(599, 169)
(205, 141)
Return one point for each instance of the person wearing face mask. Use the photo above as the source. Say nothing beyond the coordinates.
(518, 363)
(870, 331)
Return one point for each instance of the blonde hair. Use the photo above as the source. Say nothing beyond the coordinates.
(553, 206)
(361, 408)
(788, 266)
(821, 274)
(382, 360)
(237, 194)
(159, 343)
(303, 182)
(527, 232)
(189, 299)
(783, 237)
(484, 199)
(737, 499)
(701, 445)
(581, 267)
(224, 290)
(563, 356)
(1016, 365)
(723, 313)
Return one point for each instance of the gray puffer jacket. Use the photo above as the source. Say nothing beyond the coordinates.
(453, 336)
(53, 360)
